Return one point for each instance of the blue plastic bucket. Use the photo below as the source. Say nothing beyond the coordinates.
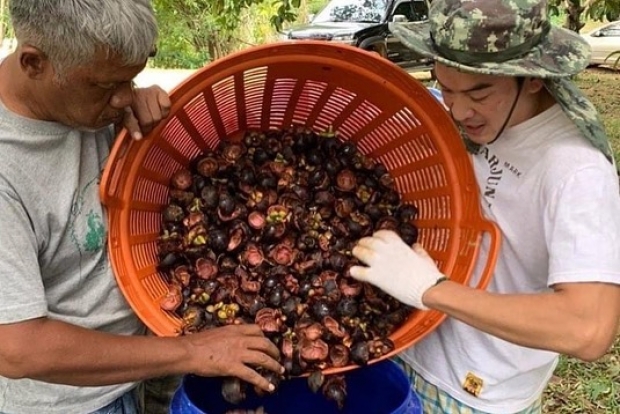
(381, 388)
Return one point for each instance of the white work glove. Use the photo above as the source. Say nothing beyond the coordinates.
(401, 271)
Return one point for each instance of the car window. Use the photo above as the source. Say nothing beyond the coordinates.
(612, 30)
(414, 11)
(371, 11)
(421, 10)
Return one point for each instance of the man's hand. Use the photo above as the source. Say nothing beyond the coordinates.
(99, 358)
(395, 268)
(232, 351)
(150, 105)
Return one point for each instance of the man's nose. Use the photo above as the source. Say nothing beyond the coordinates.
(459, 108)
(122, 96)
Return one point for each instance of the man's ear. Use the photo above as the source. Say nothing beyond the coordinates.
(34, 62)
(534, 85)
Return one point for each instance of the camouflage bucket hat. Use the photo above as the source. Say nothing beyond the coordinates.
(509, 38)
(496, 37)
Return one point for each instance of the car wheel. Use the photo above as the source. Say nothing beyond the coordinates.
(378, 49)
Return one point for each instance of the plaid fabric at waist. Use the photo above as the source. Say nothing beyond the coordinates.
(436, 401)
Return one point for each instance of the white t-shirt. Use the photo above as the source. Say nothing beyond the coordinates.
(557, 202)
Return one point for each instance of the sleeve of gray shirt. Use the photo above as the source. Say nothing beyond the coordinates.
(22, 295)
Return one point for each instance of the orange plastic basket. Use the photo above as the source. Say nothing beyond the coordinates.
(366, 99)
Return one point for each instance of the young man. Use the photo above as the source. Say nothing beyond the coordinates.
(546, 177)
(70, 344)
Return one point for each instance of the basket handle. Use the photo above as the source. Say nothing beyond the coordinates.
(490, 227)
(110, 177)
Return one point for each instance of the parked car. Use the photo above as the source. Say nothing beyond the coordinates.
(604, 41)
(364, 23)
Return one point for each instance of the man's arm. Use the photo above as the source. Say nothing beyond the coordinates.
(576, 319)
(54, 351)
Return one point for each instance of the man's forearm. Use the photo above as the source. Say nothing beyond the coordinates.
(57, 352)
(555, 321)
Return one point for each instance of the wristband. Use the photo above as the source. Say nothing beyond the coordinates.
(441, 279)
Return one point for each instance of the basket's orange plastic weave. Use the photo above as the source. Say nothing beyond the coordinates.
(390, 116)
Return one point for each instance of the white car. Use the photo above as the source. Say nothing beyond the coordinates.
(604, 41)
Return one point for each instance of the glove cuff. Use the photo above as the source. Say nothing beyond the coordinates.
(415, 298)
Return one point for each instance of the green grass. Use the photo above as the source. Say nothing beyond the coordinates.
(579, 387)
(585, 388)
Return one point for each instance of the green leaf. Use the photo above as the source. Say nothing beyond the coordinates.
(611, 55)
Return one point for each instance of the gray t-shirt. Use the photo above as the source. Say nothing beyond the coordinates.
(54, 260)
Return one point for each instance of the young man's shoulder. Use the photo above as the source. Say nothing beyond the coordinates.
(566, 151)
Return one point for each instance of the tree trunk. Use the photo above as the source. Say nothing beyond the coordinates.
(574, 11)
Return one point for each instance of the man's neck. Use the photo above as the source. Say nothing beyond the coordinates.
(545, 101)
(15, 93)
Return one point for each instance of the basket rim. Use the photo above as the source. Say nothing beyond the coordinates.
(125, 149)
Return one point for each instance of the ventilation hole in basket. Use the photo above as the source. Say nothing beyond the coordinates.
(424, 209)
(158, 160)
(405, 184)
(142, 223)
(440, 175)
(426, 143)
(392, 161)
(155, 285)
(401, 123)
(193, 134)
(226, 104)
(438, 178)
(202, 113)
(360, 118)
(333, 107)
(310, 95)
(150, 191)
(345, 114)
(421, 179)
(412, 150)
(408, 183)
(154, 176)
(240, 99)
(407, 118)
(319, 107)
(181, 151)
(253, 87)
(433, 209)
(177, 129)
(435, 239)
(283, 90)
(443, 207)
(144, 255)
(428, 179)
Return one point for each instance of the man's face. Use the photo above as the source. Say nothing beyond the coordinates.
(91, 96)
(480, 104)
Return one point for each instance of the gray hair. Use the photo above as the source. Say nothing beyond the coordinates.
(70, 32)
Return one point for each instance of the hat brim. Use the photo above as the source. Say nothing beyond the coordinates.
(560, 54)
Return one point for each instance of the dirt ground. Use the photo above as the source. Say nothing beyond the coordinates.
(602, 85)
